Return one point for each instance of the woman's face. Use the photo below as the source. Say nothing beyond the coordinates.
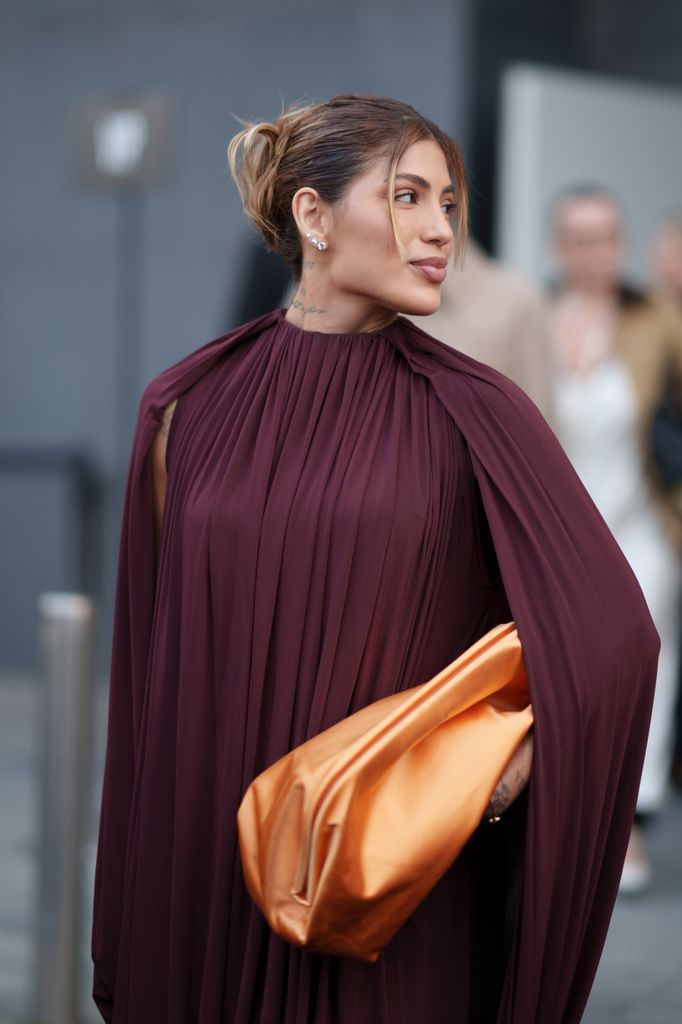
(362, 259)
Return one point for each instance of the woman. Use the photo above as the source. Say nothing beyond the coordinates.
(611, 345)
(338, 507)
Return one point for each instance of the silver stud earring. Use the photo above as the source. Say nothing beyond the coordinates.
(318, 245)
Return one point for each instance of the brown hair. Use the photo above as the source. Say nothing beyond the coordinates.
(325, 146)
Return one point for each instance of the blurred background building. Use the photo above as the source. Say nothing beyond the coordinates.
(123, 247)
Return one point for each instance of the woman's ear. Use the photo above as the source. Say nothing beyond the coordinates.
(310, 213)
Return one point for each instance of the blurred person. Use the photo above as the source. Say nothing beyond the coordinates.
(325, 506)
(665, 258)
(611, 344)
(495, 314)
(665, 271)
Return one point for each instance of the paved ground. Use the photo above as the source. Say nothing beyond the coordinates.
(639, 980)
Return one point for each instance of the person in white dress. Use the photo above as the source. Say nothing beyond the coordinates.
(607, 340)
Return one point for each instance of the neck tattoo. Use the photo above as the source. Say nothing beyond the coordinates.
(297, 304)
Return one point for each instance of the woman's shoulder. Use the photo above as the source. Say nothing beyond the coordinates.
(169, 383)
(472, 388)
(460, 366)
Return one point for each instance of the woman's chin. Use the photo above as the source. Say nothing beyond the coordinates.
(421, 305)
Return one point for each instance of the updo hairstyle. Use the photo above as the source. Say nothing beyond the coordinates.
(325, 146)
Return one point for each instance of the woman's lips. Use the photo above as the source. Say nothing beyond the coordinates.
(435, 270)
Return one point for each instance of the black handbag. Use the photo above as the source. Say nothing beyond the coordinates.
(666, 428)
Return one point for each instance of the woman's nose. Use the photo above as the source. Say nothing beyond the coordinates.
(438, 228)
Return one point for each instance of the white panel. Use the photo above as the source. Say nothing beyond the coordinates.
(565, 128)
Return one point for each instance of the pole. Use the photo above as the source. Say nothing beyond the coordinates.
(65, 640)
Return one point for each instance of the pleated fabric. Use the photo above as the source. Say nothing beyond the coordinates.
(326, 542)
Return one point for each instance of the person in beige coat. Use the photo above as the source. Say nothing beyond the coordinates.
(665, 258)
(498, 316)
(610, 347)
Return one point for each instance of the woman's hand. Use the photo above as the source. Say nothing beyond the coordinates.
(513, 780)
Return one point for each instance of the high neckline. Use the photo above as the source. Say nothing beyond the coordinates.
(305, 332)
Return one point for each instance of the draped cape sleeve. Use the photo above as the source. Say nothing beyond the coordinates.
(590, 650)
(131, 644)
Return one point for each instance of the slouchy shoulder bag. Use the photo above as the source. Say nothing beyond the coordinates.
(343, 837)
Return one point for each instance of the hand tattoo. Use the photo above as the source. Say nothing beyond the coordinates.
(499, 801)
(513, 780)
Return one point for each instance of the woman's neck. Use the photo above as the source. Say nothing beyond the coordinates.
(318, 306)
(584, 328)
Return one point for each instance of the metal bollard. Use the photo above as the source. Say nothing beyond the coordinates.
(65, 640)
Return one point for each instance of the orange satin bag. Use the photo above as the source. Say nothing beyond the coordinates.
(343, 837)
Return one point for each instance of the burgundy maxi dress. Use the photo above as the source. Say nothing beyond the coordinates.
(345, 514)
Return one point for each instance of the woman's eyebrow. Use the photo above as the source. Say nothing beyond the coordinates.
(418, 180)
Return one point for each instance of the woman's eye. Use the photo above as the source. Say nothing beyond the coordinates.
(405, 195)
(449, 208)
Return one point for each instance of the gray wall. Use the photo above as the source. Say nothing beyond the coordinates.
(61, 316)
